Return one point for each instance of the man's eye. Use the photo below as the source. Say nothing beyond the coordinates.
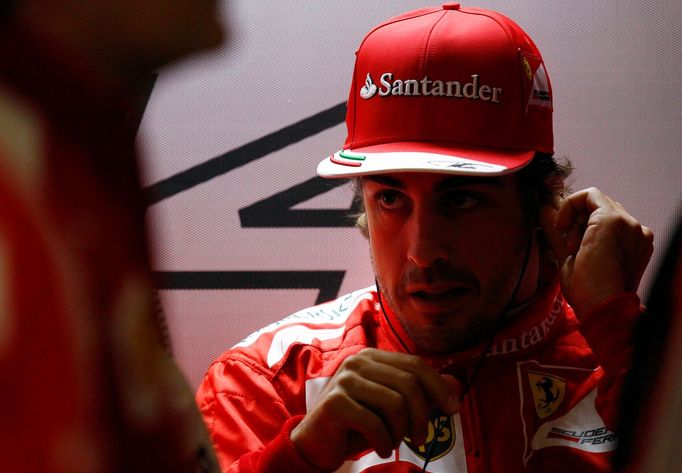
(390, 200)
(461, 201)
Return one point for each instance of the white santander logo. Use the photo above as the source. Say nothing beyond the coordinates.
(473, 90)
(369, 89)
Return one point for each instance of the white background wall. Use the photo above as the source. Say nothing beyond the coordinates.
(615, 69)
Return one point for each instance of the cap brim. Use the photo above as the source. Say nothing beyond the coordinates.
(422, 157)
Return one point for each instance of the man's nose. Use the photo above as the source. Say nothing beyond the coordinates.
(427, 238)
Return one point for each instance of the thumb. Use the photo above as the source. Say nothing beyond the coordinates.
(566, 275)
(456, 389)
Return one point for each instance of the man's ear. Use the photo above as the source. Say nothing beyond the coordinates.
(361, 223)
(549, 240)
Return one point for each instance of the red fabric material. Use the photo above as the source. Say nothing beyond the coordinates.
(541, 401)
(281, 451)
(613, 347)
(86, 383)
(464, 82)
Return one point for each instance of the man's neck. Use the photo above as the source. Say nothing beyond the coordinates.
(530, 283)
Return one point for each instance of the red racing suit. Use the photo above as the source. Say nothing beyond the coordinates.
(543, 400)
(85, 382)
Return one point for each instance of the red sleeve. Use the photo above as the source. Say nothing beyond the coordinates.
(279, 452)
(37, 347)
(609, 330)
(248, 421)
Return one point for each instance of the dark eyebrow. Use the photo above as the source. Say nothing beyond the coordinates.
(464, 181)
(445, 184)
(384, 180)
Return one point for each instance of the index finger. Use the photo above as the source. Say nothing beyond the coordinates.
(439, 389)
(578, 206)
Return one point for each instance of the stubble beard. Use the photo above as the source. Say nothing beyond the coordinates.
(461, 328)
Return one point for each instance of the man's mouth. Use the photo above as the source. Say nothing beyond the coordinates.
(437, 295)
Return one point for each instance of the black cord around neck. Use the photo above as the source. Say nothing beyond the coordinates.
(484, 355)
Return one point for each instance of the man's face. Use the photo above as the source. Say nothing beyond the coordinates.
(447, 252)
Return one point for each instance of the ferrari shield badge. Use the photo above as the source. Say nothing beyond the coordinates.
(548, 392)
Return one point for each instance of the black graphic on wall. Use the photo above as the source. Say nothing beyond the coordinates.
(328, 282)
(245, 154)
(276, 211)
(272, 211)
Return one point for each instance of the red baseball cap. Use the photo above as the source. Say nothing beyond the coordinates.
(445, 89)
